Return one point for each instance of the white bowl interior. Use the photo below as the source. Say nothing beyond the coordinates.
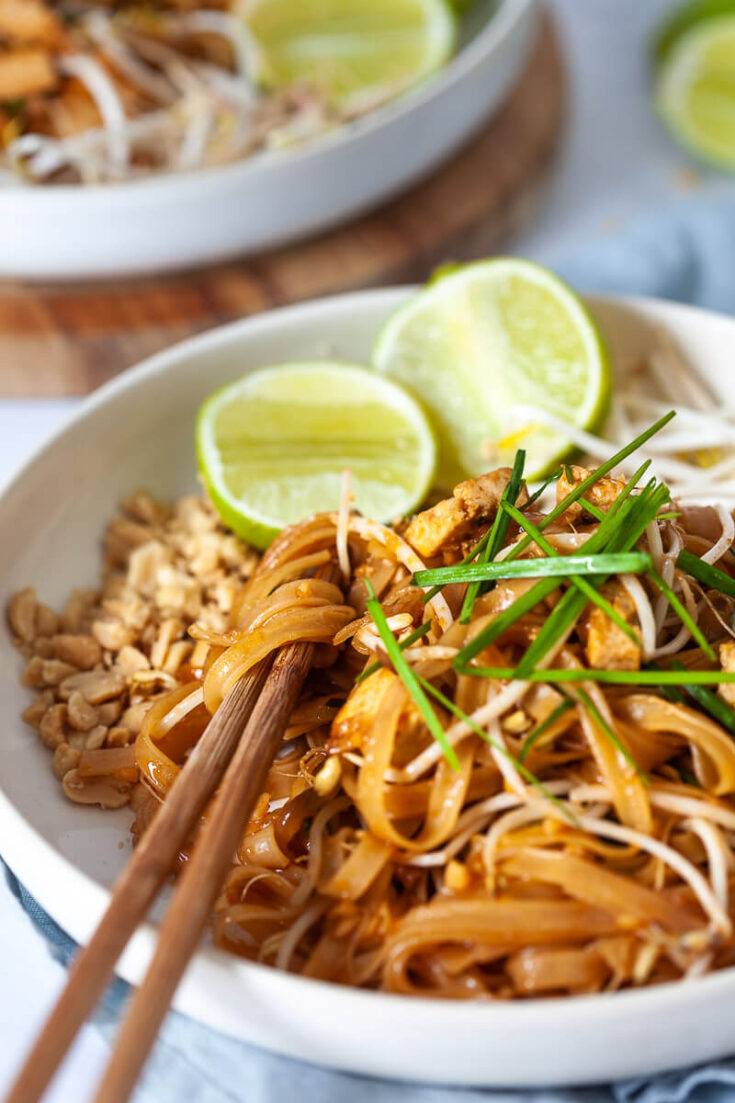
(135, 432)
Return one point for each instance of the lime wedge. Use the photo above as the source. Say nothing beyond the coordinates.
(485, 340)
(355, 52)
(272, 446)
(695, 90)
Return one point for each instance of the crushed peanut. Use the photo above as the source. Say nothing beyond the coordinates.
(96, 667)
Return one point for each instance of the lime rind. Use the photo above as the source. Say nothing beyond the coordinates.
(681, 20)
(676, 92)
(426, 304)
(291, 477)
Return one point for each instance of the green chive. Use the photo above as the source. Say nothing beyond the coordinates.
(682, 613)
(709, 576)
(582, 584)
(602, 723)
(627, 531)
(612, 677)
(543, 727)
(544, 486)
(522, 770)
(593, 510)
(407, 676)
(417, 634)
(578, 491)
(560, 566)
(542, 589)
(497, 535)
(710, 702)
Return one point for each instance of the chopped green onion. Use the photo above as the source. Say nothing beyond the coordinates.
(709, 576)
(498, 534)
(602, 723)
(682, 613)
(417, 634)
(613, 677)
(407, 676)
(543, 727)
(560, 566)
(710, 702)
(522, 770)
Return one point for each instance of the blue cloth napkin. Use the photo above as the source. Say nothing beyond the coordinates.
(684, 252)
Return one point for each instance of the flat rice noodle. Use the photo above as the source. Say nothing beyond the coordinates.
(534, 971)
(448, 787)
(328, 960)
(626, 788)
(156, 767)
(485, 921)
(620, 896)
(713, 750)
(262, 584)
(649, 749)
(261, 848)
(314, 625)
(358, 872)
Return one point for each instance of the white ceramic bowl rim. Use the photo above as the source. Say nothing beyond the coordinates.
(466, 58)
(576, 1010)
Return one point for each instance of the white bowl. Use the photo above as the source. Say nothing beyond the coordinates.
(178, 220)
(137, 431)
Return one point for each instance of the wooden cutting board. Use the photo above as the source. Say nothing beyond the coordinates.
(66, 338)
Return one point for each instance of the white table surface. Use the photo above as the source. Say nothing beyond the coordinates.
(615, 162)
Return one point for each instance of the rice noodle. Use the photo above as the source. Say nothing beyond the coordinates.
(602, 860)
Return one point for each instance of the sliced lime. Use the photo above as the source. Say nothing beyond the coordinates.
(695, 90)
(356, 52)
(682, 18)
(272, 446)
(486, 340)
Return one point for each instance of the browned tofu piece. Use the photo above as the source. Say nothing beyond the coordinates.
(449, 521)
(354, 720)
(607, 647)
(602, 493)
(26, 72)
(28, 21)
(727, 659)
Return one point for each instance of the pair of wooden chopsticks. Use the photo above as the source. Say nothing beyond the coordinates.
(244, 732)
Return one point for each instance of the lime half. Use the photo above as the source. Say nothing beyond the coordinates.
(482, 343)
(273, 445)
(355, 52)
(695, 90)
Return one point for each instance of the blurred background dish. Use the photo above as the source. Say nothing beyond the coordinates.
(167, 222)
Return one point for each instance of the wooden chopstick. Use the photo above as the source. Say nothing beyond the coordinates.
(205, 871)
(151, 862)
